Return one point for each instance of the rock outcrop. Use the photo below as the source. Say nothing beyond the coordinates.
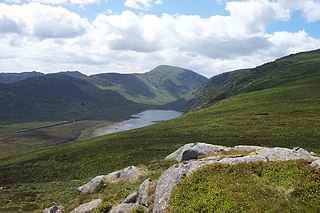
(129, 174)
(171, 177)
(87, 207)
(54, 209)
(194, 150)
(285, 154)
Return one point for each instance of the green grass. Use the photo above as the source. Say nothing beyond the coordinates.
(256, 187)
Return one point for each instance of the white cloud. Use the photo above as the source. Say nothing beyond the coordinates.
(41, 21)
(51, 38)
(309, 8)
(142, 4)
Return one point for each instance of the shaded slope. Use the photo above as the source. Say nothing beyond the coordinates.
(59, 97)
(13, 77)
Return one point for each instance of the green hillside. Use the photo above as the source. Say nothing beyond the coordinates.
(161, 85)
(59, 97)
(280, 108)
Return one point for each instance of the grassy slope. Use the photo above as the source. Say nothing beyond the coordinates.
(260, 187)
(286, 114)
(161, 85)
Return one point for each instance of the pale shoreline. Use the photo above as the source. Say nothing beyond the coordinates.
(102, 131)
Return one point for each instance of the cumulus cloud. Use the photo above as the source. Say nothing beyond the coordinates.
(309, 8)
(41, 21)
(57, 39)
(142, 4)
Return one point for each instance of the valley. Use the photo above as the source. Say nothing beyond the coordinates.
(273, 105)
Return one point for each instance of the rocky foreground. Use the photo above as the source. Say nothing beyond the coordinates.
(154, 196)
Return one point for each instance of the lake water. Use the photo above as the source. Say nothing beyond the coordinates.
(139, 120)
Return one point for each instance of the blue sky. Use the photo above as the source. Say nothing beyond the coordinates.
(126, 36)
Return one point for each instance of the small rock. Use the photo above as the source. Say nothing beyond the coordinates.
(91, 185)
(123, 208)
(190, 154)
(54, 209)
(143, 193)
(129, 174)
(2, 187)
(87, 207)
(131, 198)
(315, 164)
(200, 148)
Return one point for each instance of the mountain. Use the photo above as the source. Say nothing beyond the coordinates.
(13, 77)
(57, 97)
(161, 85)
(280, 71)
(75, 74)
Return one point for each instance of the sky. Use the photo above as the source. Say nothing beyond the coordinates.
(134, 36)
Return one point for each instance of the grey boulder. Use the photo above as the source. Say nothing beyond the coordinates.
(285, 154)
(129, 174)
(194, 150)
(143, 193)
(54, 209)
(87, 207)
(91, 185)
(245, 159)
(131, 198)
(123, 208)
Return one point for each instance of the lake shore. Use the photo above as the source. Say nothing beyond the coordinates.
(138, 120)
(103, 130)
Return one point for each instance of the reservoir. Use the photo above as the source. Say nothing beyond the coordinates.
(139, 120)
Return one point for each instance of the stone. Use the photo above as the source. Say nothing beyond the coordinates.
(54, 209)
(123, 208)
(315, 164)
(131, 198)
(87, 207)
(245, 159)
(91, 185)
(143, 193)
(190, 154)
(200, 148)
(247, 148)
(169, 180)
(129, 174)
(285, 154)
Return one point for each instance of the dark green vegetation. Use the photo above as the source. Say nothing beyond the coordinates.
(30, 97)
(281, 108)
(161, 85)
(260, 187)
(58, 97)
